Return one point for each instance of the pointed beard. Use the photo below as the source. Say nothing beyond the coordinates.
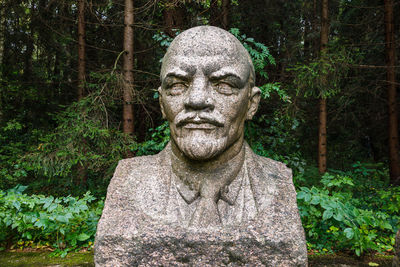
(199, 145)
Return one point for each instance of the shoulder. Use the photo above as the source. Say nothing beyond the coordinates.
(137, 173)
(134, 187)
(136, 167)
(142, 162)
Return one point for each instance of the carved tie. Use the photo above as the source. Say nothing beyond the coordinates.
(206, 213)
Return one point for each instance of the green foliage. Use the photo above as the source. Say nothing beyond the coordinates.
(274, 137)
(85, 138)
(64, 224)
(345, 213)
(14, 142)
(259, 52)
(261, 58)
(159, 138)
(321, 77)
(45, 138)
(163, 39)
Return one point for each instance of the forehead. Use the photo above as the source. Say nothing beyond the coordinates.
(208, 65)
(206, 48)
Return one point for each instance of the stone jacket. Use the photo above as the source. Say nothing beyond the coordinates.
(145, 218)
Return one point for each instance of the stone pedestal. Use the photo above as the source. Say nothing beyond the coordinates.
(142, 223)
(166, 246)
(396, 259)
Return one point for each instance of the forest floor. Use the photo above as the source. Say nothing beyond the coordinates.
(85, 259)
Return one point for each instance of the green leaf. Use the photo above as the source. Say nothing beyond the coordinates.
(62, 218)
(315, 200)
(327, 214)
(301, 195)
(52, 207)
(349, 233)
(387, 225)
(338, 217)
(358, 252)
(16, 204)
(83, 237)
(64, 253)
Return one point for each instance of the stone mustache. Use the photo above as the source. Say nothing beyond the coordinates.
(206, 199)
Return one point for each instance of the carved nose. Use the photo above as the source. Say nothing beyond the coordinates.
(199, 97)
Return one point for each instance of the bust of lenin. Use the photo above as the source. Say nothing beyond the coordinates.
(206, 199)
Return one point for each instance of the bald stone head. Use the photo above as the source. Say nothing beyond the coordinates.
(207, 92)
(205, 42)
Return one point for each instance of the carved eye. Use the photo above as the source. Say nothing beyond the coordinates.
(224, 88)
(177, 89)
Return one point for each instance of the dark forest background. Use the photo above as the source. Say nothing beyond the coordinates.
(78, 84)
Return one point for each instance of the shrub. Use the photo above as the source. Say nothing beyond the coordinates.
(64, 223)
(345, 214)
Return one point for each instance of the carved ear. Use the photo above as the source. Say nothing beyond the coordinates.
(255, 96)
(161, 102)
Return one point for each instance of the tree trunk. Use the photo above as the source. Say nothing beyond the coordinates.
(324, 25)
(314, 28)
(2, 29)
(322, 103)
(225, 14)
(322, 136)
(214, 14)
(173, 18)
(81, 49)
(308, 17)
(128, 119)
(306, 46)
(390, 45)
(81, 170)
(30, 40)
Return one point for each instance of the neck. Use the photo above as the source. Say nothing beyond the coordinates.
(220, 171)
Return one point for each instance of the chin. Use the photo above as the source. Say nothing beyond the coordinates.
(200, 146)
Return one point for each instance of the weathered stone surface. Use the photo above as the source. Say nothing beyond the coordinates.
(206, 199)
(396, 258)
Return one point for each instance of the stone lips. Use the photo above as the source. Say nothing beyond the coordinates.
(139, 233)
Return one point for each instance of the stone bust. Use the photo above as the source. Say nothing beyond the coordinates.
(206, 199)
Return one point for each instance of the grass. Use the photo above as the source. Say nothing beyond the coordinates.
(85, 259)
(38, 259)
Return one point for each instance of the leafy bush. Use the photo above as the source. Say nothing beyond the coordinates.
(12, 144)
(345, 214)
(64, 223)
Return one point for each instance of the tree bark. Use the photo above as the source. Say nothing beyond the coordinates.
(322, 149)
(309, 20)
(322, 136)
(30, 40)
(225, 14)
(214, 14)
(173, 18)
(81, 170)
(128, 119)
(391, 85)
(314, 27)
(2, 29)
(324, 25)
(81, 49)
